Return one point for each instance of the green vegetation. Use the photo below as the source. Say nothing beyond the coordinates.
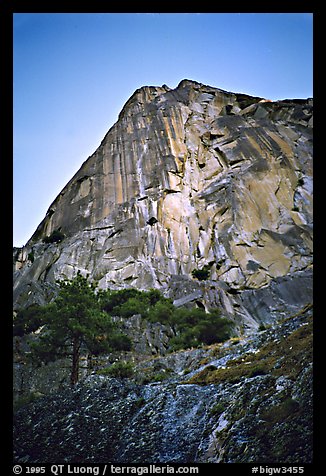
(118, 370)
(31, 256)
(28, 320)
(72, 322)
(157, 376)
(193, 327)
(25, 400)
(279, 413)
(201, 274)
(79, 319)
(128, 302)
(55, 237)
(217, 409)
(288, 357)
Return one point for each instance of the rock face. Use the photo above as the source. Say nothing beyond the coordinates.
(188, 177)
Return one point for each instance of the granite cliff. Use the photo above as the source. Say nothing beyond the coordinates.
(188, 178)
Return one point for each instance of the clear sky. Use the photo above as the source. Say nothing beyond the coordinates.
(74, 72)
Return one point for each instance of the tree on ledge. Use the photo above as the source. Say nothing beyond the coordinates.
(75, 320)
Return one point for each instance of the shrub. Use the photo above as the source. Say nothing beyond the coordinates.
(55, 237)
(193, 326)
(25, 400)
(281, 412)
(111, 300)
(159, 376)
(213, 328)
(118, 370)
(153, 296)
(217, 409)
(120, 342)
(31, 256)
(162, 312)
(201, 274)
(128, 302)
(185, 340)
(256, 370)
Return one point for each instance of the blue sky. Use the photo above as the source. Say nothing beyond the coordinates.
(74, 72)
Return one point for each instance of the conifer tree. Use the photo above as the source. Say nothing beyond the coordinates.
(75, 320)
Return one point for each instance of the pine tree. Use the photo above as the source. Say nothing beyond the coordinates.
(75, 320)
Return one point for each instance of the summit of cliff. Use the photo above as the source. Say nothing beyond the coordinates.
(187, 179)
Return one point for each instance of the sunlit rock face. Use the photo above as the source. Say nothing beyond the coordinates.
(187, 177)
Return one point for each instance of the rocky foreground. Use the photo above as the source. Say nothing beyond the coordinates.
(246, 400)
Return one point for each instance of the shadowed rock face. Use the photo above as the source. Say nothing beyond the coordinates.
(246, 400)
(188, 177)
